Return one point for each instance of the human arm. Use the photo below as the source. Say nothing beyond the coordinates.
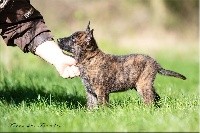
(64, 64)
(24, 26)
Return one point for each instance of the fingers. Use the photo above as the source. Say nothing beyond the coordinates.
(66, 67)
(70, 72)
(75, 70)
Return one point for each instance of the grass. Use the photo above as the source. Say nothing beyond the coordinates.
(34, 98)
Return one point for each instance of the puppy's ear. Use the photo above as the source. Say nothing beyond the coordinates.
(91, 32)
(88, 27)
(90, 35)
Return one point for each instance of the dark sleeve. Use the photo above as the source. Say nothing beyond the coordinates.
(23, 26)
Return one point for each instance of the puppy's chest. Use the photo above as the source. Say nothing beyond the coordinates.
(90, 72)
(94, 69)
(89, 77)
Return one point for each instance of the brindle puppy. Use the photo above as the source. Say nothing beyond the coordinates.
(104, 73)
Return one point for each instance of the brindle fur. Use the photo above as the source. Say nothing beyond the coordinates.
(103, 73)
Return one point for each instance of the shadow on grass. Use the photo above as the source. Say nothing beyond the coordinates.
(30, 95)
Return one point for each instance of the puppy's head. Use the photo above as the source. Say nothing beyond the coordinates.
(79, 43)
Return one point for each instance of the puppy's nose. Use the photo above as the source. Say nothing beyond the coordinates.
(58, 40)
(60, 44)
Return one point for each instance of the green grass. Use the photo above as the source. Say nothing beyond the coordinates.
(33, 97)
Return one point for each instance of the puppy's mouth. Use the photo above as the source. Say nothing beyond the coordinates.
(60, 43)
(64, 44)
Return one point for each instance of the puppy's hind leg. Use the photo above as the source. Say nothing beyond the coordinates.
(147, 94)
(157, 102)
(145, 87)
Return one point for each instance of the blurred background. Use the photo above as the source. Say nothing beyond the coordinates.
(126, 23)
(123, 26)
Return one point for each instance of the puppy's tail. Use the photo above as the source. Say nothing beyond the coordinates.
(170, 73)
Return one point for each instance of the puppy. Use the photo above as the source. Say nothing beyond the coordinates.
(103, 73)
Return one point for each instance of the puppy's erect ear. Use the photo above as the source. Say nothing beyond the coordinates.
(89, 32)
(90, 35)
(88, 27)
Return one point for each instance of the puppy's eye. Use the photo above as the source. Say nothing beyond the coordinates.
(73, 39)
(88, 39)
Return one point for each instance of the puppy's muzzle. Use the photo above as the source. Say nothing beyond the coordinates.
(64, 44)
(60, 42)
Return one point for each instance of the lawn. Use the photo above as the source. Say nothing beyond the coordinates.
(33, 97)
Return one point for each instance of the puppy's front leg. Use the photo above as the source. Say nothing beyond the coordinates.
(102, 97)
(91, 100)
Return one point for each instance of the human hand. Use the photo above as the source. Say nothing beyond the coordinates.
(66, 67)
(64, 64)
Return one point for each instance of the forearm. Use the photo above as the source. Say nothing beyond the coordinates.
(50, 52)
